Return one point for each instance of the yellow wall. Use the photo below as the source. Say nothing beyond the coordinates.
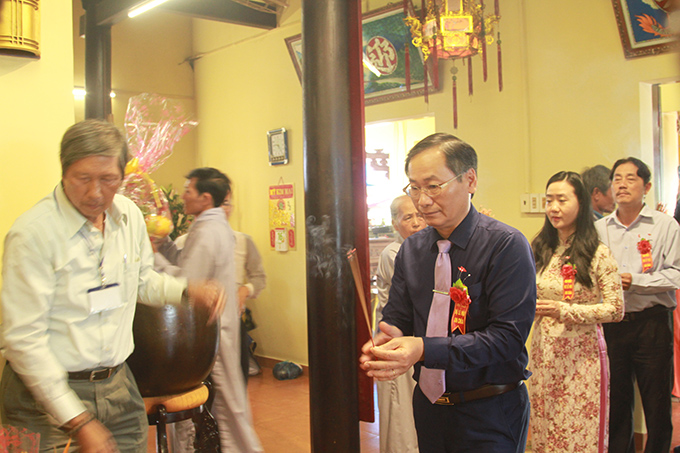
(670, 97)
(570, 100)
(147, 55)
(243, 91)
(37, 107)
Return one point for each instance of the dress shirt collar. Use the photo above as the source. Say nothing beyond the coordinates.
(460, 237)
(74, 220)
(645, 212)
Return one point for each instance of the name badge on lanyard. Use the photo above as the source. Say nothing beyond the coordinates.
(103, 298)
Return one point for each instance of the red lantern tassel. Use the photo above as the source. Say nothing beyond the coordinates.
(427, 99)
(469, 61)
(455, 104)
(435, 57)
(407, 66)
(484, 66)
(498, 41)
(407, 57)
(500, 64)
(423, 15)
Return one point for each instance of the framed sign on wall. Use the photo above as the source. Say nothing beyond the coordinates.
(393, 66)
(644, 27)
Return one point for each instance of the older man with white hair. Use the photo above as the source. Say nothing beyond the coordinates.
(397, 430)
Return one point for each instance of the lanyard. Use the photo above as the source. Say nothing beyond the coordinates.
(90, 246)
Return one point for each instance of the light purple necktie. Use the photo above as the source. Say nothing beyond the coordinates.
(432, 381)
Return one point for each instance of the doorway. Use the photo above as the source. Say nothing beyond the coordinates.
(387, 144)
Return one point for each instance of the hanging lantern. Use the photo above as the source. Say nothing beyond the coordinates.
(455, 29)
(20, 28)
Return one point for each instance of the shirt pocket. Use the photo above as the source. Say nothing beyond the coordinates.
(74, 277)
(477, 311)
(131, 277)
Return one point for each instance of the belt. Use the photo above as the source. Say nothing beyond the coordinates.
(485, 391)
(94, 375)
(646, 313)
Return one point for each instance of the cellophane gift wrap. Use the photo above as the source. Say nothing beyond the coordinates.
(154, 124)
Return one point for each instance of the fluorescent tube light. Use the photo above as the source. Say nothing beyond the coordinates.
(80, 93)
(144, 7)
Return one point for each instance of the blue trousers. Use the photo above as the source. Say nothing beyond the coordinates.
(491, 425)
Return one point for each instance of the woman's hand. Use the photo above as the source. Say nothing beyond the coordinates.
(550, 308)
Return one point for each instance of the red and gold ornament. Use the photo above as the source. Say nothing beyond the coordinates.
(644, 246)
(568, 273)
(461, 299)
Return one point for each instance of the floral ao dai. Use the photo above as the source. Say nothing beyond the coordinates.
(570, 382)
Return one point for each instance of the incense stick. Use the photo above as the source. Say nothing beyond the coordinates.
(356, 272)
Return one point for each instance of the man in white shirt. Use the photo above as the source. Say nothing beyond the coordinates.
(209, 253)
(646, 245)
(397, 429)
(74, 266)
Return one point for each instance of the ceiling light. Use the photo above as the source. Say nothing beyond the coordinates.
(80, 93)
(144, 7)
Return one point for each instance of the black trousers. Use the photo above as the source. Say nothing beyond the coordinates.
(491, 425)
(641, 348)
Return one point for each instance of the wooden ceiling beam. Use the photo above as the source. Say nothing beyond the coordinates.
(223, 11)
(110, 12)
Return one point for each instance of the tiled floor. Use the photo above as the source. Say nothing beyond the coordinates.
(283, 426)
(281, 416)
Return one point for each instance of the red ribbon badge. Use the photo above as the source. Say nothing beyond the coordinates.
(462, 300)
(569, 276)
(645, 249)
(459, 294)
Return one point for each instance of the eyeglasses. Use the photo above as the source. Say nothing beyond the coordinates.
(431, 190)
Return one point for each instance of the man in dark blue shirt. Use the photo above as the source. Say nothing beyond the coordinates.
(485, 406)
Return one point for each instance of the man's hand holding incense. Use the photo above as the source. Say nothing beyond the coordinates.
(393, 354)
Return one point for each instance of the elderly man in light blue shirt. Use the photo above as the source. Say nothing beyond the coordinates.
(74, 266)
(646, 245)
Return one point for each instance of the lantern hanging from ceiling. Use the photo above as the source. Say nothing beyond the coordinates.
(455, 29)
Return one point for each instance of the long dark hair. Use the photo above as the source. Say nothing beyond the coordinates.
(585, 241)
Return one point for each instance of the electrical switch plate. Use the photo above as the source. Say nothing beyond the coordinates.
(534, 201)
(541, 206)
(524, 201)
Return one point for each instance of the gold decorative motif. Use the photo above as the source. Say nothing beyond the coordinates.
(454, 32)
(20, 27)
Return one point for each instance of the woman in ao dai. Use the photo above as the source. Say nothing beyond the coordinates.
(570, 382)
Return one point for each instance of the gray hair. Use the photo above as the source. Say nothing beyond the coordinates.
(597, 176)
(93, 137)
(396, 204)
